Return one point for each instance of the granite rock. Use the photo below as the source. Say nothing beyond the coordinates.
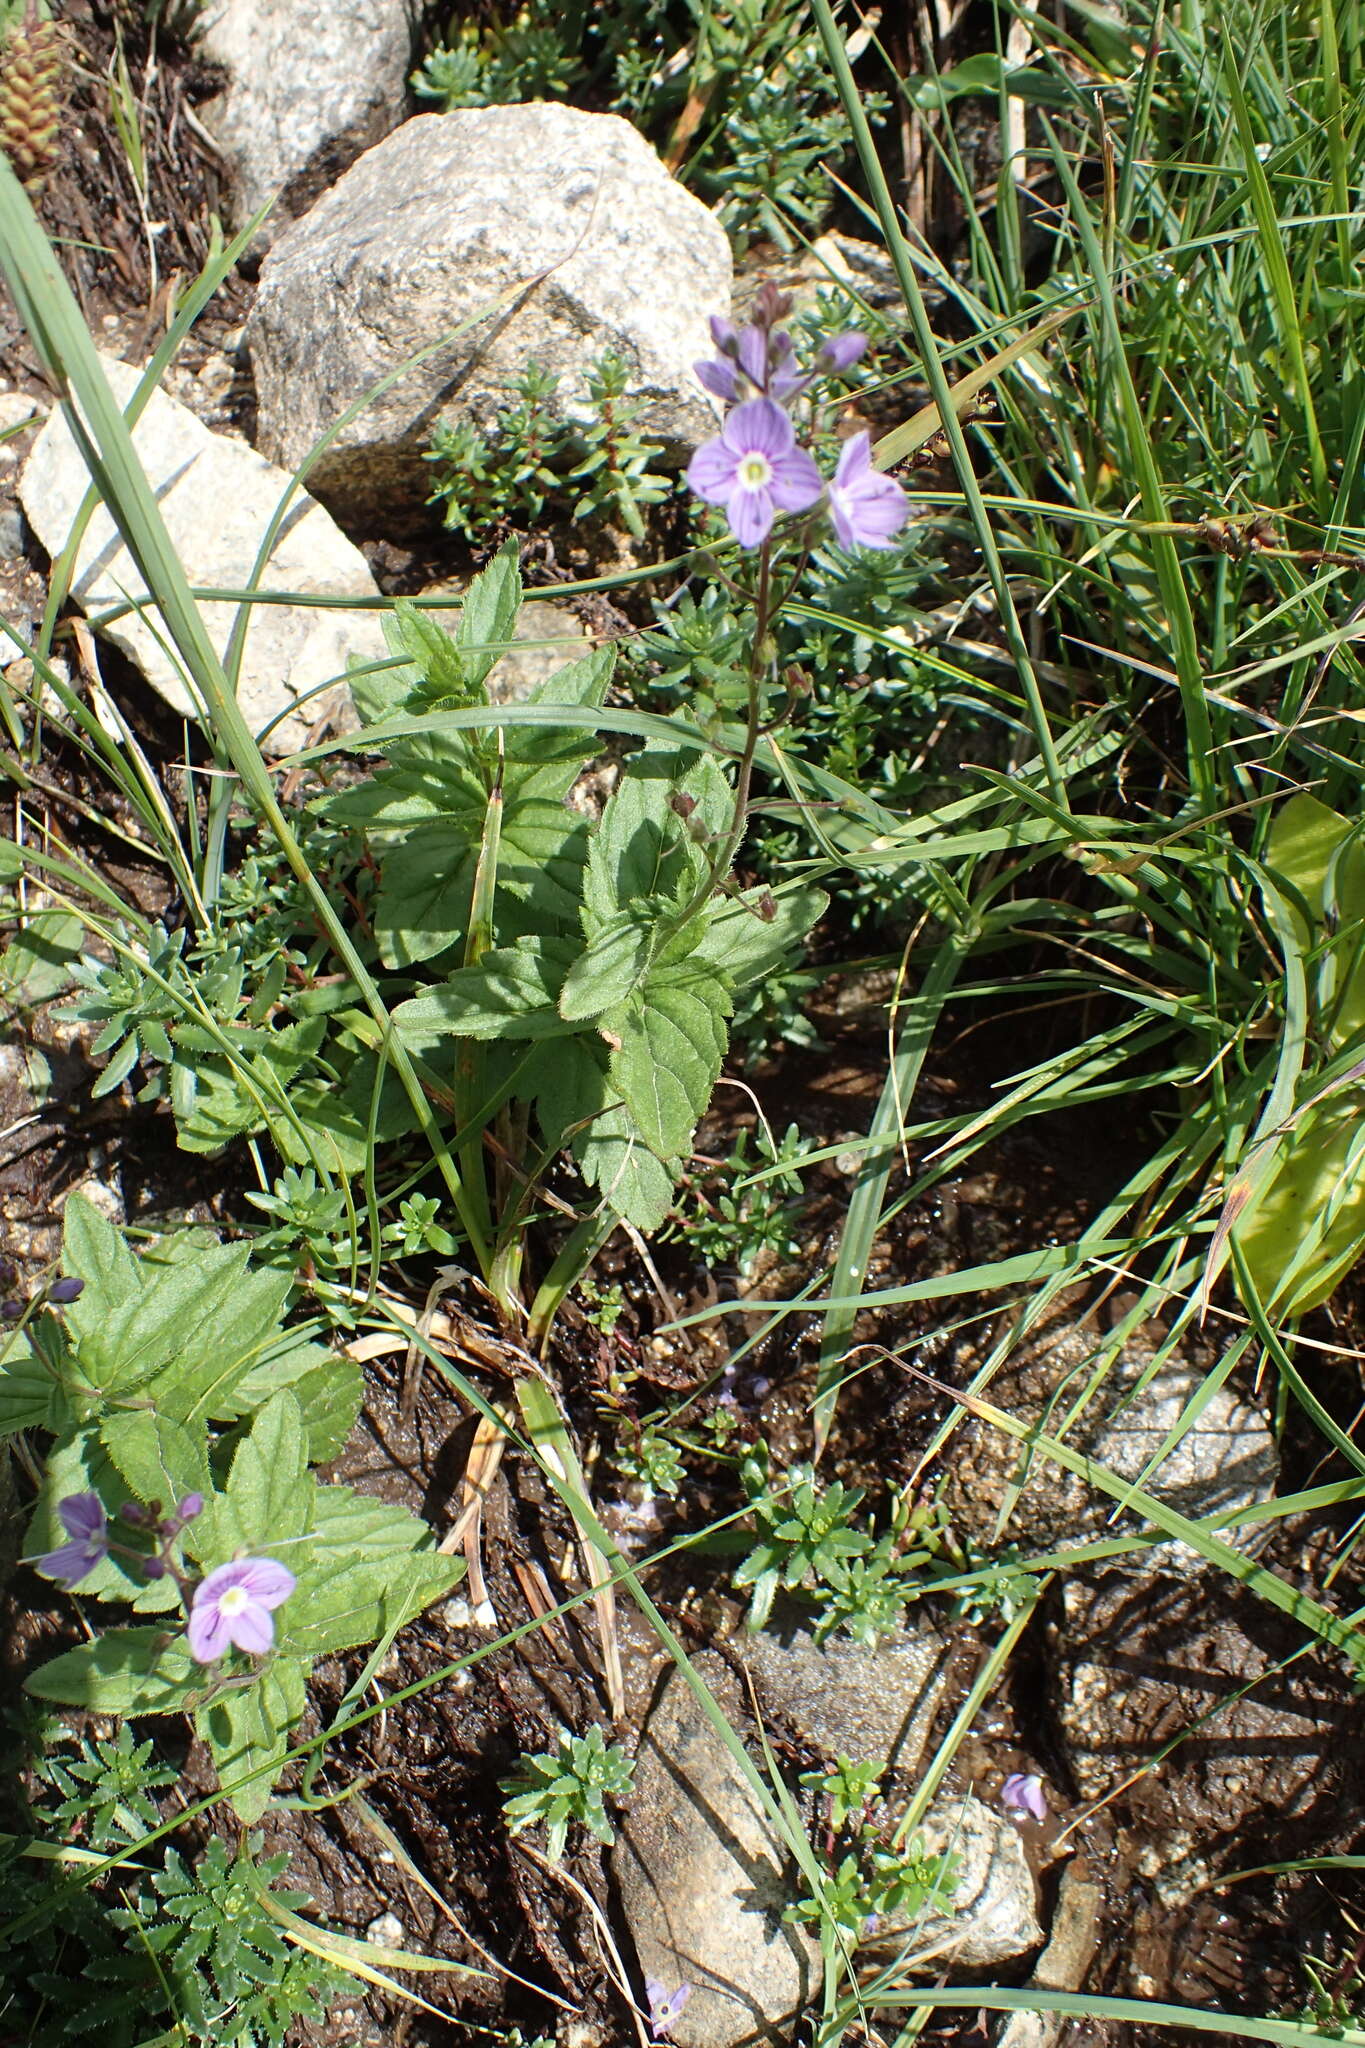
(541, 232)
(217, 497)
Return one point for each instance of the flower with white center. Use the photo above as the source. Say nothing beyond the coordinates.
(233, 1605)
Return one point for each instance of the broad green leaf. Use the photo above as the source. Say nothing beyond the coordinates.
(511, 992)
(372, 1566)
(248, 1732)
(746, 947)
(577, 1105)
(32, 1394)
(614, 963)
(1308, 1228)
(93, 1251)
(673, 1040)
(124, 1671)
(1321, 856)
(268, 1505)
(488, 615)
(328, 1386)
(37, 963)
(157, 1458)
(641, 847)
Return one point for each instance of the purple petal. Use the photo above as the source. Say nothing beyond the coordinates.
(711, 472)
(265, 1580)
(69, 1563)
(1023, 1793)
(207, 1632)
(252, 1630)
(855, 459)
(797, 483)
(758, 427)
(753, 355)
(785, 384)
(842, 351)
(724, 333)
(82, 1515)
(751, 515)
(721, 379)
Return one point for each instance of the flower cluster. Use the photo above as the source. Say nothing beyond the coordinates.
(232, 1605)
(755, 467)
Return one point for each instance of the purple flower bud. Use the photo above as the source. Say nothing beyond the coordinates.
(63, 1291)
(190, 1506)
(1023, 1794)
(11, 1310)
(154, 1567)
(725, 334)
(842, 351)
(133, 1512)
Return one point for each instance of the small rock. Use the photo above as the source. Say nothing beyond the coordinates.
(555, 232)
(102, 1197)
(1145, 1662)
(872, 1705)
(216, 496)
(11, 530)
(546, 638)
(385, 1932)
(1227, 1459)
(1063, 1964)
(309, 86)
(994, 1918)
(705, 1880)
(16, 409)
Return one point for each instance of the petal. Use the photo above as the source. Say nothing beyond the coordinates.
(219, 1580)
(842, 351)
(208, 1631)
(711, 472)
(720, 378)
(797, 483)
(751, 516)
(753, 355)
(266, 1580)
(843, 532)
(68, 1563)
(81, 1514)
(786, 383)
(855, 457)
(252, 1630)
(724, 333)
(759, 427)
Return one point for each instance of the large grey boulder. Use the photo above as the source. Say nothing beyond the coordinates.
(217, 497)
(310, 84)
(542, 232)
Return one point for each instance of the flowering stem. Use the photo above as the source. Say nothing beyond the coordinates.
(723, 859)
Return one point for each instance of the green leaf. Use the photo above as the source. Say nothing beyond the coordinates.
(93, 1251)
(673, 1040)
(511, 992)
(614, 964)
(31, 1395)
(124, 1671)
(37, 963)
(157, 1458)
(80, 1464)
(268, 1504)
(328, 1386)
(1322, 858)
(745, 947)
(1308, 1229)
(488, 615)
(248, 1732)
(640, 848)
(372, 1567)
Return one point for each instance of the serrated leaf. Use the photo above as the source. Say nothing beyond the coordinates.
(156, 1457)
(511, 992)
(248, 1732)
(372, 1566)
(31, 1395)
(641, 848)
(612, 966)
(124, 1671)
(268, 1503)
(747, 948)
(328, 1386)
(488, 615)
(673, 1040)
(93, 1251)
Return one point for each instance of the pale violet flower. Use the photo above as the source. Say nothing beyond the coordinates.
(755, 469)
(664, 2009)
(83, 1518)
(1023, 1794)
(868, 509)
(233, 1605)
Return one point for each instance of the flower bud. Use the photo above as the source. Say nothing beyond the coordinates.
(154, 1567)
(63, 1291)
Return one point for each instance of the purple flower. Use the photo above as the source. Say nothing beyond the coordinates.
(1022, 1794)
(664, 2011)
(63, 1291)
(721, 379)
(751, 359)
(842, 351)
(232, 1605)
(868, 509)
(83, 1518)
(755, 470)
